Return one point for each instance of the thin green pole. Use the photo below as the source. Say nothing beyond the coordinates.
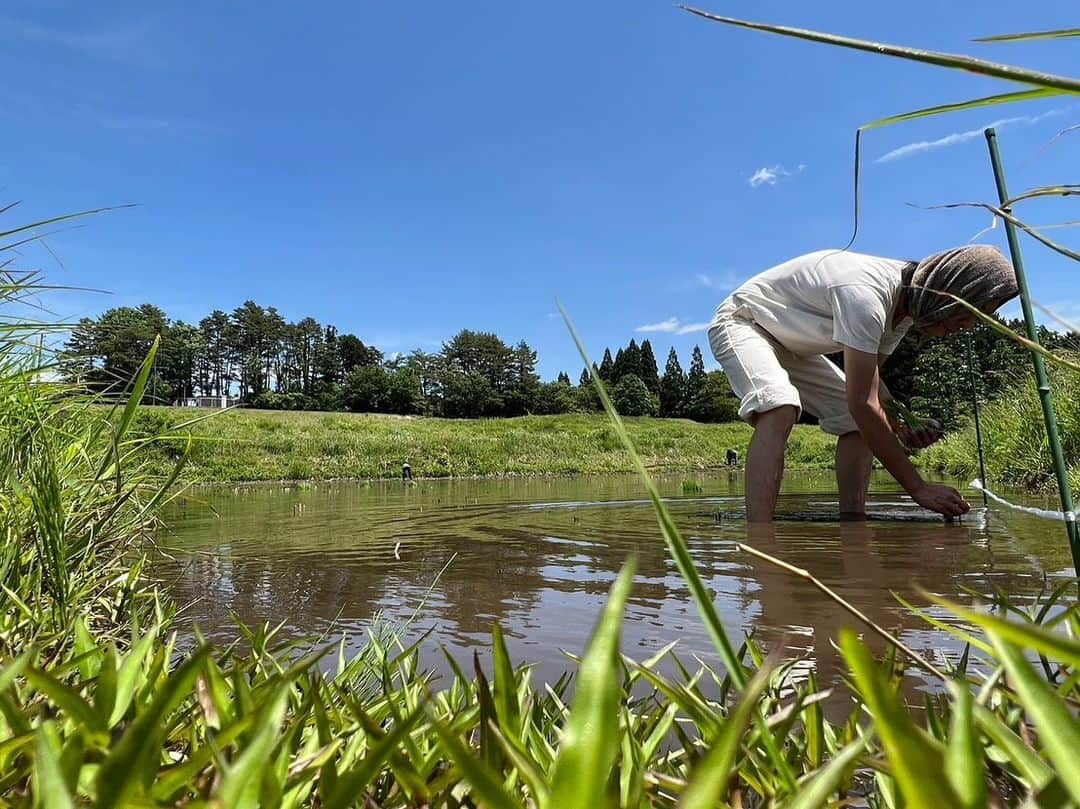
(1041, 379)
(978, 423)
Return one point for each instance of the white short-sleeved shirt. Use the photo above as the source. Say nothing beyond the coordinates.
(821, 302)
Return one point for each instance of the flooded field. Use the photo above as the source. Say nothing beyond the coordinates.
(538, 555)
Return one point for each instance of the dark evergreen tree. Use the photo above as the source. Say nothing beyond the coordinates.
(181, 346)
(354, 353)
(650, 374)
(672, 387)
(329, 360)
(525, 384)
(695, 379)
(483, 353)
(606, 366)
(107, 353)
(632, 360)
(564, 379)
(215, 371)
(618, 367)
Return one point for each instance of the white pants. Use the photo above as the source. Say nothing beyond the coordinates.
(765, 375)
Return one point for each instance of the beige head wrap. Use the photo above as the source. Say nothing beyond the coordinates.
(977, 273)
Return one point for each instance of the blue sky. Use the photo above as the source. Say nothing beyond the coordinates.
(407, 170)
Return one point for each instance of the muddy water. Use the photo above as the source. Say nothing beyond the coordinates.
(538, 556)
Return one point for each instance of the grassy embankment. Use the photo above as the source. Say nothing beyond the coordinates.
(1014, 438)
(251, 445)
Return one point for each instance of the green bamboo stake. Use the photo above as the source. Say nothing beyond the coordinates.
(1041, 379)
(978, 422)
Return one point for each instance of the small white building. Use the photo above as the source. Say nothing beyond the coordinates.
(218, 402)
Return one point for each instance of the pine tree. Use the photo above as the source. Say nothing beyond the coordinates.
(632, 360)
(564, 379)
(650, 375)
(618, 368)
(586, 378)
(672, 387)
(695, 380)
(606, 366)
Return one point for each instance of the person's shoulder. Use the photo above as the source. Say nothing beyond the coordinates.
(847, 266)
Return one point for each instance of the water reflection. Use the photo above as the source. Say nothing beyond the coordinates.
(538, 556)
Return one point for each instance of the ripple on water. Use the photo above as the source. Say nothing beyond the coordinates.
(538, 556)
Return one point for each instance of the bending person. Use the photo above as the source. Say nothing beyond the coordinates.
(770, 337)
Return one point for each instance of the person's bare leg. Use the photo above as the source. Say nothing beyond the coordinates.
(853, 463)
(765, 461)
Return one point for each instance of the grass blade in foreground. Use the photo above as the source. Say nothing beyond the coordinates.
(826, 782)
(919, 768)
(1059, 33)
(986, 101)
(590, 742)
(711, 776)
(963, 756)
(674, 540)
(1057, 727)
(950, 60)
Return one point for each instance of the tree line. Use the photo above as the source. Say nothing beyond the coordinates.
(254, 354)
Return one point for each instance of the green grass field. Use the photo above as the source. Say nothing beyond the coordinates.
(1014, 438)
(252, 445)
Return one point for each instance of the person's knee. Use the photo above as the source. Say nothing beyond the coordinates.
(778, 421)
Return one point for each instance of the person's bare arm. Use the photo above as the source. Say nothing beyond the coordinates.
(911, 436)
(864, 402)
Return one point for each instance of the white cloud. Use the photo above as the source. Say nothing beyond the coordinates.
(766, 176)
(673, 326)
(771, 175)
(721, 283)
(669, 325)
(128, 42)
(919, 147)
(691, 328)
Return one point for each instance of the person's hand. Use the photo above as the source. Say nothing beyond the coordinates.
(945, 500)
(929, 431)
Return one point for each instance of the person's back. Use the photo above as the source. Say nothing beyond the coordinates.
(819, 302)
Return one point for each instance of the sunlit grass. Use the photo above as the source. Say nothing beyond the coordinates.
(250, 445)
